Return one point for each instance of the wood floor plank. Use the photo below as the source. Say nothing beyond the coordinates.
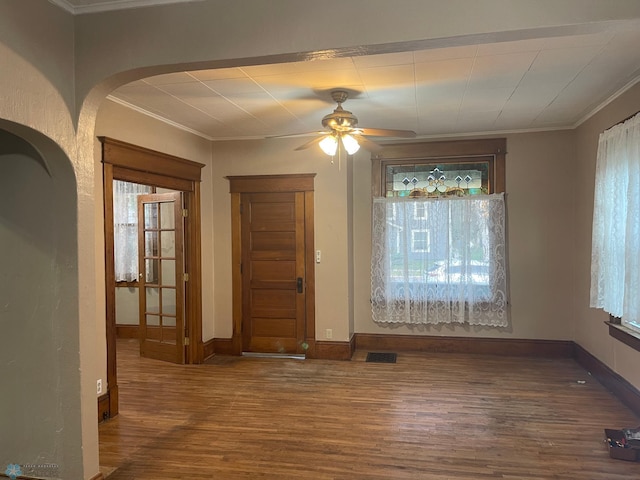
(428, 416)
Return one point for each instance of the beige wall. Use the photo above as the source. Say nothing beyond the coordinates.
(277, 156)
(543, 179)
(539, 167)
(590, 331)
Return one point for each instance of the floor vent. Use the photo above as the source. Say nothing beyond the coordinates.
(378, 357)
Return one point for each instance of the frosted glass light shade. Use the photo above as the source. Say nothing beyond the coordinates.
(329, 145)
(351, 145)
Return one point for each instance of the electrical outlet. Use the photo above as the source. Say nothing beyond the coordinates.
(99, 386)
(328, 333)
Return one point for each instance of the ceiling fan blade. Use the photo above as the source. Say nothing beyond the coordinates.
(386, 132)
(367, 144)
(310, 143)
(305, 134)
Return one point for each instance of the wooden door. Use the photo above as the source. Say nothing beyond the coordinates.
(273, 272)
(161, 277)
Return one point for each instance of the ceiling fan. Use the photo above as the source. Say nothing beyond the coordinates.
(341, 126)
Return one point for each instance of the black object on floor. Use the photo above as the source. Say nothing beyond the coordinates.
(378, 357)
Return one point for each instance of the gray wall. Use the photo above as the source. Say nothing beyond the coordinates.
(40, 405)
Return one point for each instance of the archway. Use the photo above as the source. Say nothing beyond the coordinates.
(41, 414)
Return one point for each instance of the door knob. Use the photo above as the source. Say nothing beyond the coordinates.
(299, 284)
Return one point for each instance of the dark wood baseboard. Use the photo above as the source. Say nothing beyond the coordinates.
(126, 331)
(225, 346)
(333, 350)
(613, 382)
(104, 410)
(491, 346)
(108, 404)
(208, 349)
(113, 400)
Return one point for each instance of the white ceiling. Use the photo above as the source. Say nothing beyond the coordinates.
(537, 84)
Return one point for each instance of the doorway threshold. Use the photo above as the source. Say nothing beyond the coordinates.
(295, 356)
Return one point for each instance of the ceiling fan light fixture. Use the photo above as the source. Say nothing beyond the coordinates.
(341, 126)
(350, 144)
(329, 145)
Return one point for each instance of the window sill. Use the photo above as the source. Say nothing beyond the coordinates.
(627, 336)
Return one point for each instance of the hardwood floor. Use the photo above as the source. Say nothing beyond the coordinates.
(429, 416)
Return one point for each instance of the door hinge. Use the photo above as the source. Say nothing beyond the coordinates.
(186, 341)
(185, 213)
(240, 269)
(185, 277)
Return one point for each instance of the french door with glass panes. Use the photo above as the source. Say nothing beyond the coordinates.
(161, 276)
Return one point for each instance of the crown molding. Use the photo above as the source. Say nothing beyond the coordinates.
(158, 117)
(632, 83)
(109, 5)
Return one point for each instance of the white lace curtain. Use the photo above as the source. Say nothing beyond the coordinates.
(125, 229)
(439, 260)
(615, 252)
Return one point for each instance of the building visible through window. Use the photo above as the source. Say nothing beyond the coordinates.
(438, 251)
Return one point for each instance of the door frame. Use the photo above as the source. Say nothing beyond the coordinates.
(238, 185)
(132, 163)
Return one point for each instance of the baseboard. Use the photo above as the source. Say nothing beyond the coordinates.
(127, 331)
(97, 476)
(491, 346)
(617, 385)
(333, 350)
(224, 346)
(208, 349)
(104, 407)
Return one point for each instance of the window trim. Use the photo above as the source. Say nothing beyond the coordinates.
(442, 152)
(624, 334)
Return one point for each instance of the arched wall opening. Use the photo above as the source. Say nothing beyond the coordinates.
(40, 417)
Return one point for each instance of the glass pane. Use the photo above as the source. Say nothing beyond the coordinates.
(169, 272)
(169, 301)
(168, 244)
(151, 244)
(150, 215)
(153, 320)
(167, 218)
(168, 321)
(153, 300)
(151, 270)
(437, 179)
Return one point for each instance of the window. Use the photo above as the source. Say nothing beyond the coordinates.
(125, 229)
(615, 255)
(438, 243)
(419, 211)
(420, 240)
